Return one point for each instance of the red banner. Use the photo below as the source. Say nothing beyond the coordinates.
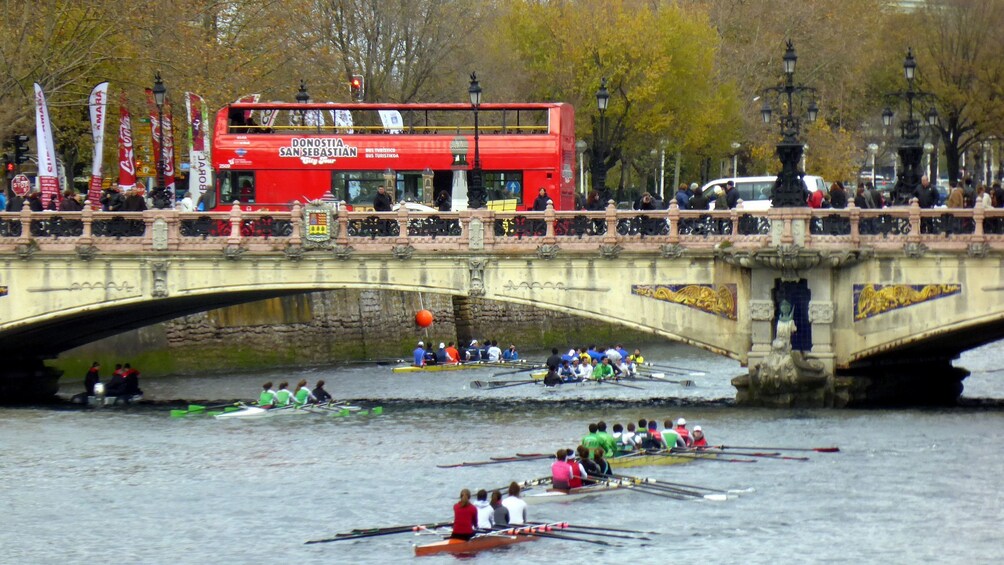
(127, 157)
(155, 137)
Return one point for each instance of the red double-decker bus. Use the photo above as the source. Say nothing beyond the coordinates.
(269, 155)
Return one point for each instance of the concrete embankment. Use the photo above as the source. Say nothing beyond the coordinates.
(330, 327)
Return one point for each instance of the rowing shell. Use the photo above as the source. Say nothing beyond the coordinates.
(556, 495)
(629, 461)
(454, 367)
(255, 413)
(473, 545)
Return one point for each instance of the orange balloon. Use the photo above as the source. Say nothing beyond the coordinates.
(423, 318)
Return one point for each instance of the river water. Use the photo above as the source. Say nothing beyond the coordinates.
(136, 486)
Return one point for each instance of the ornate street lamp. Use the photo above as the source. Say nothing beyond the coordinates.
(161, 199)
(789, 188)
(303, 97)
(476, 197)
(911, 149)
(580, 148)
(599, 145)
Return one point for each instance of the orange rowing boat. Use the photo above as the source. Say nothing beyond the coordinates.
(473, 545)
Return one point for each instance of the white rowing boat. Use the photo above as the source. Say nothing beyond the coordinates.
(560, 495)
(255, 412)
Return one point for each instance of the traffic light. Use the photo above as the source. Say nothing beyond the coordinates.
(20, 149)
(8, 165)
(356, 87)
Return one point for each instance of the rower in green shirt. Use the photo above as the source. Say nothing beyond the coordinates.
(592, 440)
(267, 397)
(283, 397)
(302, 394)
(603, 370)
(606, 440)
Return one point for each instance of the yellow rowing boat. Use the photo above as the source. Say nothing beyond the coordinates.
(645, 460)
(453, 367)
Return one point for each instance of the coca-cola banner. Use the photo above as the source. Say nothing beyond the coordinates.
(98, 104)
(199, 177)
(167, 155)
(127, 157)
(169, 152)
(48, 175)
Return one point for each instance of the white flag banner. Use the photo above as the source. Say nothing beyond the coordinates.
(392, 121)
(198, 146)
(98, 102)
(315, 118)
(48, 176)
(343, 121)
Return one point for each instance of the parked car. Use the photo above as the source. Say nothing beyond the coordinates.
(755, 191)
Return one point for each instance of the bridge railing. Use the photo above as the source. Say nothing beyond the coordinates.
(237, 231)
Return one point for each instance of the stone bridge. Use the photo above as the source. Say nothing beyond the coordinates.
(883, 299)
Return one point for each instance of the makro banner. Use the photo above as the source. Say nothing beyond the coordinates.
(127, 157)
(48, 176)
(199, 177)
(99, 104)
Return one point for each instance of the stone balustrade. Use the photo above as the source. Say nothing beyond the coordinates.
(611, 231)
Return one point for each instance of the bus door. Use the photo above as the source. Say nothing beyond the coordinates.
(236, 185)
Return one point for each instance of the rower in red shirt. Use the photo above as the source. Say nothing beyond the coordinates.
(465, 517)
(681, 428)
(561, 471)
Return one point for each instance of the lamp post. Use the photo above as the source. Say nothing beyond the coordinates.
(477, 197)
(928, 150)
(789, 188)
(599, 145)
(873, 150)
(302, 97)
(580, 147)
(161, 199)
(910, 148)
(735, 159)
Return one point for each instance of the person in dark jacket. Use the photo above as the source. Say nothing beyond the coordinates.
(69, 203)
(927, 195)
(320, 394)
(112, 200)
(442, 201)
(15, 203)
(838, 196)
(92, 378)
(645, 202)
(540, 203)
(35, 201)
(134, 201)
(382, 201)
(731, 195)
(699, 201)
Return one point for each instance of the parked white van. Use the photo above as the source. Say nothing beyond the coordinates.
(755, 191)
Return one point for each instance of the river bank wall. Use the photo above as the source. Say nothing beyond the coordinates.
(325, 328)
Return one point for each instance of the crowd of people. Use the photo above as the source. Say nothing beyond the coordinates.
(113, 199)
(449, 354)
(593, 363)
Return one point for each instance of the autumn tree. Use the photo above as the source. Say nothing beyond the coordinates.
(658, 59)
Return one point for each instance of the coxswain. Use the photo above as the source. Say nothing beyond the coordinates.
(486, 515)
(452, 355)
(282, 396)
(552, 378)
(302, 394)
(500, 514)
(561, 472)
(515, 505)
(682, 431)
(92, 378)
(699, 439)
(267, 397)
(418, 355)
(320, 394)
(465, 517)
(636, 357)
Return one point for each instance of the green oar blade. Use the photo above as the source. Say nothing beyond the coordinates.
(214, 413)
(231, 408)
(377, 411)
(364, 412)
(179, 413)
(196, 408)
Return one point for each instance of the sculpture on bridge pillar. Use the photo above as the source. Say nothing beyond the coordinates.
(785, 378)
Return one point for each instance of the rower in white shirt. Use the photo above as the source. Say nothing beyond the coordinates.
(494, 353)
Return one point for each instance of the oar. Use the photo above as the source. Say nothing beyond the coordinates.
(816, 449)
(707, 458)
(494, 461)
(769, 456)
(628, 485)
(357, 534)
(199, 409)
(521, 457)
(582, 527)
(674, 369)
(520, 370)
(654, 484)
(492, 386)
(613, 382)
(661, 377)
(573, 530)
(559, 536)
